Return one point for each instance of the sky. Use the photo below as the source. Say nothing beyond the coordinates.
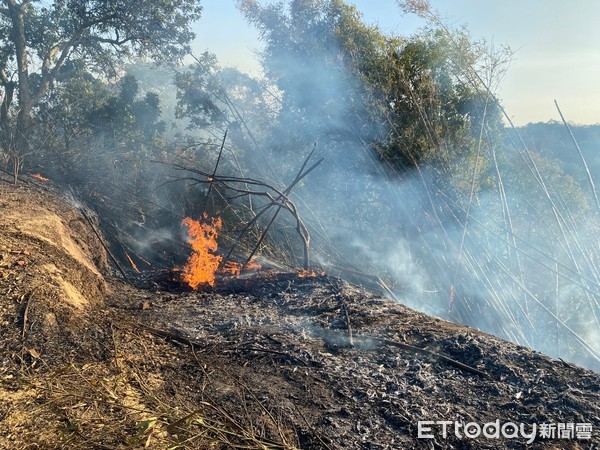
(556, 46)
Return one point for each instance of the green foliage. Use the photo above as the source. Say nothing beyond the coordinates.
(85, 123)
(319, 99)
(65, 118)
(200, 96)
(43, 42)
(211, 100)
(403, 97)
(124, 115)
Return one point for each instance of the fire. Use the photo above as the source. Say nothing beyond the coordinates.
(253, 266)
(310, 274)
(234, 268)
(39, 177)
(202, 266)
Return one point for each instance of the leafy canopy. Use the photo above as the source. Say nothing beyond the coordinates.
(40, 39)
(404, 97)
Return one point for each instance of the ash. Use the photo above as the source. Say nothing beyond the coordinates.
(351, 369)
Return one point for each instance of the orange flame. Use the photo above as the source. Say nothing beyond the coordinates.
(310, 274)
(234, 268)
(203, 264)
(39, 177)
(253, 266)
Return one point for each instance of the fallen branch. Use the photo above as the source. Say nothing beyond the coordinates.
(26, 313)
(275, 352)
(112, 257)
(301, 229)
(251, 187)
(171, 336)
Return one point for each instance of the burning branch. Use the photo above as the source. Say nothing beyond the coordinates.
(40, 177)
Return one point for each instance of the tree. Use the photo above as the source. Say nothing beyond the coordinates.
(65, 118)
(41, 38)
(86, 123)
(341, 78)
(303, 58)
(201, 97)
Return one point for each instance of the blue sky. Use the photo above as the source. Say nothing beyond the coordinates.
(557, 44)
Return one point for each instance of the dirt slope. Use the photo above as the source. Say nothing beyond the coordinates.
(267, 361)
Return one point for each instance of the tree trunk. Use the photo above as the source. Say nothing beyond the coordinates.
(9, 90)
(17, 14)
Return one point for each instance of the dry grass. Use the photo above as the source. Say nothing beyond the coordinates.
(125, 404)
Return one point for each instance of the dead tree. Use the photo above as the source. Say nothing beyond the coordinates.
(276, 199)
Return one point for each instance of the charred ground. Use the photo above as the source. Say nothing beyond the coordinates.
(268, 360)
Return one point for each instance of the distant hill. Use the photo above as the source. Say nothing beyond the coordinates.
(552, 140)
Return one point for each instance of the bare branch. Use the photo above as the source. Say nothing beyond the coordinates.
(276, 198)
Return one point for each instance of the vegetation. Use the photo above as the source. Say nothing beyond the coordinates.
(43, 43)
(422, 182)
(402, 97)
(552, 140)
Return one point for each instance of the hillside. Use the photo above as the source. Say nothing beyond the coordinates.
(554, 141)
(266, 360)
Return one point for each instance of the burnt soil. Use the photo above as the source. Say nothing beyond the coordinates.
(265, 360)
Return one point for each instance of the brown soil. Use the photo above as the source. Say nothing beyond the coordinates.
(267, 360)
